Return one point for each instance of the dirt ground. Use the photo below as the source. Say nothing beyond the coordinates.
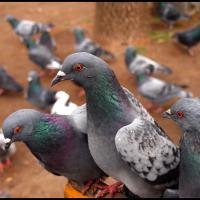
(26, 178)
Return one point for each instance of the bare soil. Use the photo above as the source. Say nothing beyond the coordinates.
(26, 178)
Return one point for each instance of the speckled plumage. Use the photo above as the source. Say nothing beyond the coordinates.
(56, 142)
(109, 110)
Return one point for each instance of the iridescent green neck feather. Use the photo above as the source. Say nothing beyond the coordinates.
(106, 99)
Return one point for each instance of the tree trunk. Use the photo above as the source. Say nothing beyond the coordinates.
(121, 20)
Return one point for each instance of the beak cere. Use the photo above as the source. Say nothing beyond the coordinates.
(8, 143)
(59, 77)
(167, 114)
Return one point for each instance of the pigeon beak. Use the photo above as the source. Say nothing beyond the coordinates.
(167, 114)
(61, 76)
(8, 142)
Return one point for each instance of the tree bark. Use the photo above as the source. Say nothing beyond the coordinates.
(117, 20)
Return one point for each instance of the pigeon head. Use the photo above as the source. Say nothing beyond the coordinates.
(79, 34)
(83, 68)
(18, 126)
(130, 54)
(12, 20)
(185, 112)
(33, 76)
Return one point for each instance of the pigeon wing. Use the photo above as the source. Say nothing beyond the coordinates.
(146, 151)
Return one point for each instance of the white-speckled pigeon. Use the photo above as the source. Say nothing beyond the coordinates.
(84, 44)
(124, 140)
(37, 94)
(135, 61)
(27, 28)
(186, 113)
(63, 105)
(55, 141)
(7, 83)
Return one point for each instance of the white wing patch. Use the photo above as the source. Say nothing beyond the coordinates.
(147, 152)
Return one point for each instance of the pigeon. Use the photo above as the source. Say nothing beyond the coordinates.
(124, 140)
(185, 112)
(188, 38)
(27, 28)
(136, 61)
(60, 147)
(84, 44)
(63, 105)
(169, 14)
(41, 55)
(7, 82)
(158, 91)
(47, 40)
(5, 155)
(38, 95)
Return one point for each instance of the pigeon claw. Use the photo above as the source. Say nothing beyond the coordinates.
(111, 190)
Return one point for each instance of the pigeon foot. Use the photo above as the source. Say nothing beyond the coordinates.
(111, 190)
(81, 93)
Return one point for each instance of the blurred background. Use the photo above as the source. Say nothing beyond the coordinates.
(115, 27)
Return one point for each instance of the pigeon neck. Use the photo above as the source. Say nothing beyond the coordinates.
(196, 31)
(14, 22)
(129, 57)
(30, 43)
(190, 156)
(106, 99)
(140, 78)
(48, 134)
(35, 84)
(79, 37)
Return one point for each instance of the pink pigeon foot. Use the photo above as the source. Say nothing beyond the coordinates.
(111, 190)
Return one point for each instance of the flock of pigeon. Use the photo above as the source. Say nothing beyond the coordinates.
(112, 134)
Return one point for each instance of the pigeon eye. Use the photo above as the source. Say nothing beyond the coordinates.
(78, 67)
(180, 114)
(17, 130)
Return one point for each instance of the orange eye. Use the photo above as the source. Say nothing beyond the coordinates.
(78, 67)
(17, 130)
(180, 114)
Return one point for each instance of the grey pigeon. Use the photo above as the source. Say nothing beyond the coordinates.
(37, 94)
(7, 82)
(84, 44)
(188, 38)
(124, 140)
(27, 28)
(185, 112)
(170, 14)
(55, 141)
(157, 90)
(41, 55)
(135, 61)
(5, 155)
